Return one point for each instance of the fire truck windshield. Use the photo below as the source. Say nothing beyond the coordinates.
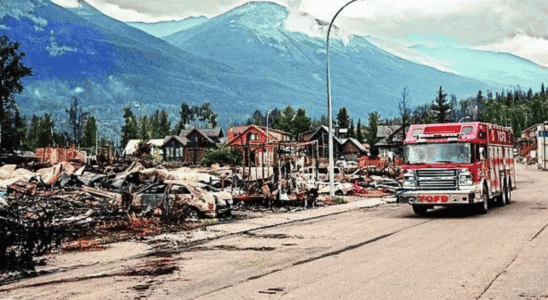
(438, 153)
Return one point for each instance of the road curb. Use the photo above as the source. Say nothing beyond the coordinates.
(357, 205)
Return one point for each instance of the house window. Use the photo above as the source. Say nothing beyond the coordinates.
(253, 136)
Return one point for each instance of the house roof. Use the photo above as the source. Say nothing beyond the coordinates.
(261, 129)
(355, 142)
(214, 133)
(313, 132)
(131, 146)
(180, 140)
(202, 133)
(238, 130)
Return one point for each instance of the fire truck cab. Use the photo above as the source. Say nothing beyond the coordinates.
(458, 164)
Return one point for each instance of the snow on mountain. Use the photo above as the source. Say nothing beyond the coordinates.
(253, 57)
(498, 68)
(165, 28)
(258, 39)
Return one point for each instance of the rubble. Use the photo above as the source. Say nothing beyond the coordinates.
(47, 204)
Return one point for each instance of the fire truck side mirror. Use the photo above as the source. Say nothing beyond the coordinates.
(482, 153)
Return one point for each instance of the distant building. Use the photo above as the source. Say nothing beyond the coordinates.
(321, 134)
(133, 145)
(191, 144)
(391, 140)
(253, 140)
(352, 149)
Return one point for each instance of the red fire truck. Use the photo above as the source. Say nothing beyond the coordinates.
(458, 164)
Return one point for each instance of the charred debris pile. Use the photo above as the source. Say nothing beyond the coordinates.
(71, 205)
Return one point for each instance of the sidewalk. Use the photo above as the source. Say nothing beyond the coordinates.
(270, 220)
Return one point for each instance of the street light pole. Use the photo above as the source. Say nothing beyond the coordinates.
(329, 106)
(267, 130)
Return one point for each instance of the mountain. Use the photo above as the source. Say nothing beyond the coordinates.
(497, 67)
(242, 60)
(165, 28)
(255, 39)
(106, 64)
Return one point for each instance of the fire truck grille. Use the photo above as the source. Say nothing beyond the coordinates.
(437, 179)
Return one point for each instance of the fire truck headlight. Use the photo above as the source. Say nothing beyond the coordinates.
(465, 177)
(408, 179)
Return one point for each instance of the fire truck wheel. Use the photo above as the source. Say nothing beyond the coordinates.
(509, 193)
(420, 209)
(504, 196)
(484, 206)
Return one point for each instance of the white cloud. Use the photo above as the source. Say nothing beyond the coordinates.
(469, 22)
(531, 48)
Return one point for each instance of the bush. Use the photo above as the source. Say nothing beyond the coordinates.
(222, 154)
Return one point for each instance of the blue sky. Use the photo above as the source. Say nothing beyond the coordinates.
(514, 26)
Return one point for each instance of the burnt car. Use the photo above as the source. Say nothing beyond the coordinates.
(178, 199)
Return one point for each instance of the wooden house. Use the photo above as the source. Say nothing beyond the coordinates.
(253, 143)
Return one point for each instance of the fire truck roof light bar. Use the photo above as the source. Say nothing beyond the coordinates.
(439, 135)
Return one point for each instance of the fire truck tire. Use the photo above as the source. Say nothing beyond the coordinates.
(483, 207)
(420, 209)
(504, 196)
(509, 193)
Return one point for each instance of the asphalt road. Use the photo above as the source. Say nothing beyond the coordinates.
(385, 252)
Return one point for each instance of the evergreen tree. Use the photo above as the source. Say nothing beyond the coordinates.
(529, 94)
(351, 133)
(130, 130)
(359, 135)
(441, 108)
(12, 71)
(343, 118)
(165, 125)
(371, 134)
(285, 120)
(542, 88)
(479, 105)
(45, 131)
(144, 129)
(90, 133)
(154, 125)
(76, 121)
(257, 118)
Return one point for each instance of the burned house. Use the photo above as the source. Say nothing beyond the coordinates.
(321, 134)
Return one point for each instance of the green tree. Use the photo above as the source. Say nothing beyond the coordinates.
(359, 134)
(222, 154)
(257, 118)
(371, 135)
(45, 131)
(130, 129)
(351, 132)
(343, 118)
(12, 71)
(441, 108)
(165, 124)
(90, 133)
(76, 121)
(300, 123)
(144, 129)
(285, 120)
